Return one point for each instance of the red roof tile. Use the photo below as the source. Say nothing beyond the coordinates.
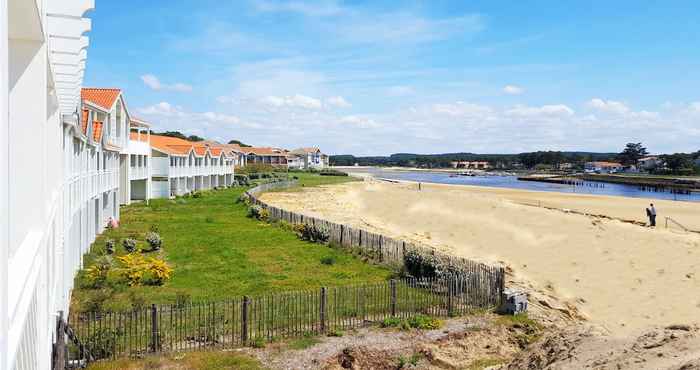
(101, 97)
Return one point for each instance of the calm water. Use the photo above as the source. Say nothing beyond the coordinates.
(513, 183)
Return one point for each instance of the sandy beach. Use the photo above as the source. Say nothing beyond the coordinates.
(620, 276)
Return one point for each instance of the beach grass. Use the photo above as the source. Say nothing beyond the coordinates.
(217, 253)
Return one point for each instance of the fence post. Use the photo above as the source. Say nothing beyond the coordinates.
(244, 319)
(392, 284)
(154, 328)
(450, 295)
(59, 348)
(323, 309)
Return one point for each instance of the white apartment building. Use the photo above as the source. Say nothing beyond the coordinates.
(180, 166)
(137, 164)
(307, 158)
(59, 169)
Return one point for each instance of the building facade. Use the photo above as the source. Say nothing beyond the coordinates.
(266, 156)
(307, 158)
(180, 166)
(60, 179)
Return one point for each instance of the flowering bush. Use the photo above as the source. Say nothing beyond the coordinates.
(97, 273)
(138, 270)
(311, 233)
(258, 212)
(129, 244)
(154, 240)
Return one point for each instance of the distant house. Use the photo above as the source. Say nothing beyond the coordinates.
(565, 166)
(649, 163)
(471, 165)
(603, 167)
(271, 156)
(307, 158)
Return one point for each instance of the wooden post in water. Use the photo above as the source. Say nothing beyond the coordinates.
(322, 309)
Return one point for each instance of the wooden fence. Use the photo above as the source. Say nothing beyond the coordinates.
(249, 320)
(464, 286)
(383, 248)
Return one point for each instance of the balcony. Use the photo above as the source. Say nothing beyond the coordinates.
(138, 173)
(161, 166)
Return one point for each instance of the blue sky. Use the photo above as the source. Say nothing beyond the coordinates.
(375, 77)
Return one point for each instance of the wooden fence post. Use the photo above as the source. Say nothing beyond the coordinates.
(392, 284)
(59, 348)
(322, 310)
(450, 295)
(154, 328)
(244, 319)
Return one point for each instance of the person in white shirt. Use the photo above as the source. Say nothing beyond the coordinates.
(652, 215)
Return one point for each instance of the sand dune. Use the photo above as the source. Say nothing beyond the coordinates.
(621, 276)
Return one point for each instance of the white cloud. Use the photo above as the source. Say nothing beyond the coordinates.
(608, 106)
(154, 84)
(295, 101)
(309, 9)
(338, 102)
(360, 121)
(543, 111)
(461, 109)
(513, 90)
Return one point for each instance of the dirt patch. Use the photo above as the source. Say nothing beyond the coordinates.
(460, 343)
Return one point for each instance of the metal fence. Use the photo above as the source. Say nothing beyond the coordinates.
(250, 320)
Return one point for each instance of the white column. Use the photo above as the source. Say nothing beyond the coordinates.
(4, 178)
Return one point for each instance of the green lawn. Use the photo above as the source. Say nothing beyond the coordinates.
(217, 253)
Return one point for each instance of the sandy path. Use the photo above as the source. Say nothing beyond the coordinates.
(622, 276)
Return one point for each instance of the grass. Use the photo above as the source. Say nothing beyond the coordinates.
(531, 330)
(303, 342)
(217, 252)
(307, 179)
(177, 361)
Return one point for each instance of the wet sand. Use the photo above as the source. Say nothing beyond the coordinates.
(621, 276)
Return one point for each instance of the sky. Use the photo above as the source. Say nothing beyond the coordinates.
(381, 77)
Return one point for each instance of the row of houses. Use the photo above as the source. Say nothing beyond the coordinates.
(70, 157)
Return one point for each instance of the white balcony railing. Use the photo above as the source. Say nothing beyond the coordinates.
(138, 173)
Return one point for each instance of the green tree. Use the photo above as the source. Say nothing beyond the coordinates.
(632, 153)
(678, 161)
(239, 143)
(195, 138)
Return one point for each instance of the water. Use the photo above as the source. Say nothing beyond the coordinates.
(511, 182)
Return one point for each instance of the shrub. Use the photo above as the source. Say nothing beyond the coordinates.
(424, 265)
(311, 233)
(101, 342)
(197, 194)
(109, 246)
(424, 322)
(159, 271)
(137, 300)
(94, 300)
(97, 273)
(258, 343)
(154, 240)
(332, 173)
(134, 268)
(328, 260)
(138, 270)
(129, 244)
(258, 212)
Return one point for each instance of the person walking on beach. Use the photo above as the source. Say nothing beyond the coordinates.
(651, 211)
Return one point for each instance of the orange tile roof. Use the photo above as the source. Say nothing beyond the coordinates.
(171, 145)
(84, 121)
(215, 151)
(101, 97)
(97, 131)
(200, 150)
